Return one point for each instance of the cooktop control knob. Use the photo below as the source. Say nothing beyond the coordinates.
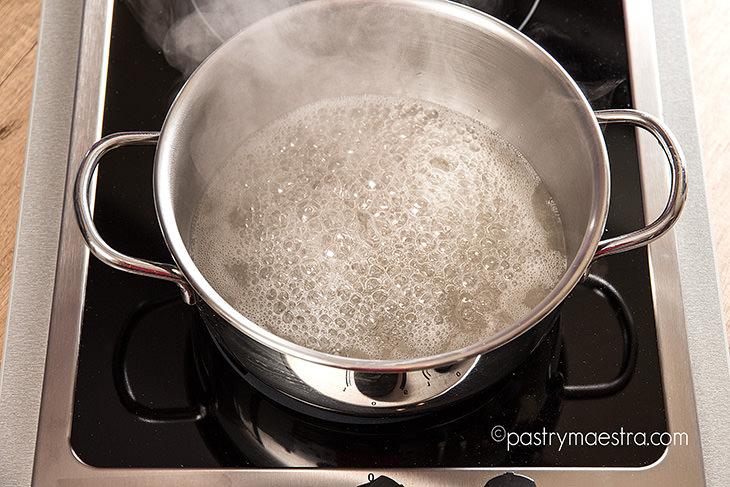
(376, 385)
(511, 480)
(381, 481)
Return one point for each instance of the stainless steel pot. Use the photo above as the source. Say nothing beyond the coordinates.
(433, 50)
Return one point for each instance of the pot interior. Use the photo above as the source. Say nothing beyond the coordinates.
(431, 50)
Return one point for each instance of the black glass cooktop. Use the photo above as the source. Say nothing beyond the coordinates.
(153, 391)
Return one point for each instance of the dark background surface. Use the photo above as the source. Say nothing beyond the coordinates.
(587, 38)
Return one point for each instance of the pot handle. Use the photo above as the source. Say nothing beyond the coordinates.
(82, 202)
(677, 194)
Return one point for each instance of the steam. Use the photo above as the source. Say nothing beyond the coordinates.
(187, 31)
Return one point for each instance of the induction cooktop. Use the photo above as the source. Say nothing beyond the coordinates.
(151, 400)
(110, 428)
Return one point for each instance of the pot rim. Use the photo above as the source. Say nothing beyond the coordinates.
(573, 274)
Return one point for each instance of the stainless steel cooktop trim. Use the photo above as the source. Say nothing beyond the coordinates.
(55, 463)
(37, 238)
(705, 332)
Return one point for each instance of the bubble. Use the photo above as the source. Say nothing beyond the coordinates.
(379, 227)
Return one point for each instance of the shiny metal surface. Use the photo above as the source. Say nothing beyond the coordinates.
(415, 386)
(337, 390)
(678, 181)
(329, 387)
(405, 47)
(36, 248)
(85, 217)
(56, 464)
(693, 254)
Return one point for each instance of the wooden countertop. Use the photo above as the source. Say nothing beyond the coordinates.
(18, 33)
(709, 43)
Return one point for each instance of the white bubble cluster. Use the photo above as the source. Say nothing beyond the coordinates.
(379, 227)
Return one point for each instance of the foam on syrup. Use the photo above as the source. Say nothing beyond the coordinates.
(379, 227)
